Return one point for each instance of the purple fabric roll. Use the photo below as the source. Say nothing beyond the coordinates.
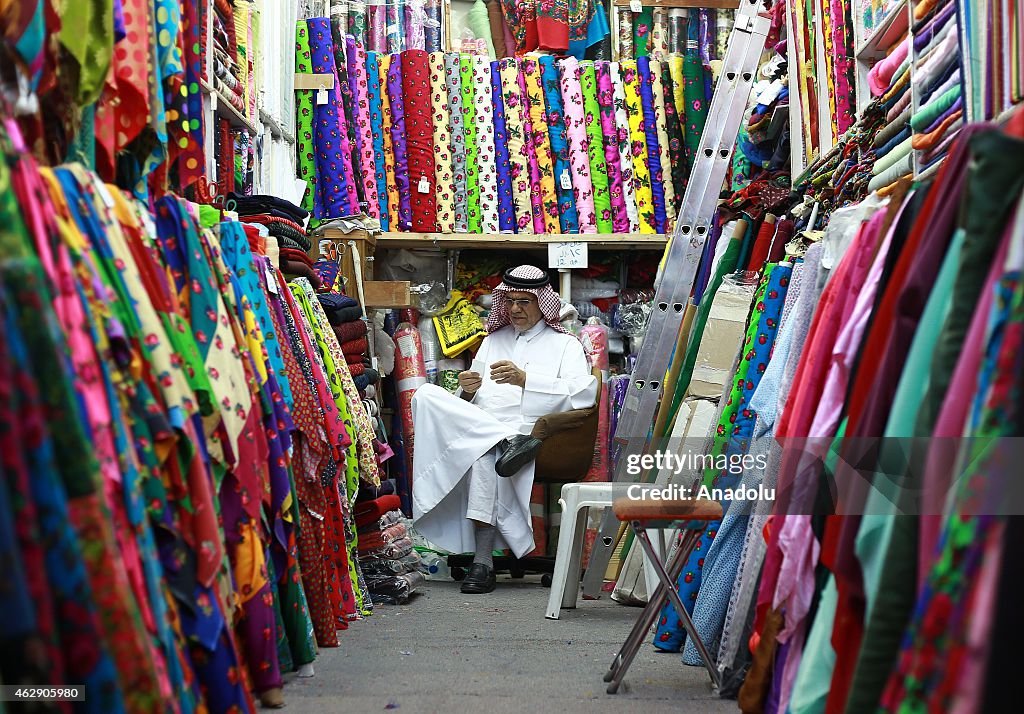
(398, 142)
(606, 100)
(357, 79)
(335, 188)
(378, 38)
(934, 27)
(536, 203)
(506, 209)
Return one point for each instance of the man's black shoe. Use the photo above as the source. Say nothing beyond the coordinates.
(520, 450)
(479, 580)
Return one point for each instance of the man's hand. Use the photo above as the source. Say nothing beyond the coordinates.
(505, 372)
(470, 381)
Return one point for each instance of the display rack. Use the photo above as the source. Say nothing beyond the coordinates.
(493, 241)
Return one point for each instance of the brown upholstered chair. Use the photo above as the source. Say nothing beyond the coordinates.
(564, 457)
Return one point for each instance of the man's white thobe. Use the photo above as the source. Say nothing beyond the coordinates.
(453, 463)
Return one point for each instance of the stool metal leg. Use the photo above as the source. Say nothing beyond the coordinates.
(656, 600)
(673, 594)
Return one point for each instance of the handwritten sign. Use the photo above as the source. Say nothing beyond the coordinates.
(567, 255)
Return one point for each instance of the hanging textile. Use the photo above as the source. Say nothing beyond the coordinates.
(567, 216)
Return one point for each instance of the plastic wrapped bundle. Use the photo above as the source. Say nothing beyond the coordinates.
(410, 374)
(389, 567)
(431, 347)
(595, 343)
(399, 549)
(625, 24)
(394, 590)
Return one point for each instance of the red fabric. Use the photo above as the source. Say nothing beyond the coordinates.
(268, 220)
(355, 347)
(762, 244)
(371, 540)
(356, 369)
(552, 34)
(368, 512)
(348, 331)
(783, 233)
(419, 130)
(297, 256)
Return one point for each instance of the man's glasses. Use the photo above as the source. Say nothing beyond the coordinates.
(522, 303)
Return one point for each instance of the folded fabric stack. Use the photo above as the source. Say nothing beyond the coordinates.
(889, 80)
(345, 317)
(283, 221)
(227, 71)
(390, 565)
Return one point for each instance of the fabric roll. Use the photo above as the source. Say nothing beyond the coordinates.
(395, 26)
(304, 124)
(898, 170)
(695, 93)
(373, 93)
(625, 147)
(567, 217)
(419, 136)
(432, 27)
(357, 17)
(937, 132)
(880, 75)
(347, 118)
(606, 105)
(473, 223)
(595, 148)
(661, 122)
(452, 75)
(540, 143)
(333, 160)
(485, 144)
(515, 125)
(576, 132)
(497, 23)
(536, 191)
(364, 132)
(638, 143)
(377, 39)
(398, 139)
(677, 31)
(387, 125)
(626, 47)
(675, 70)
(674, 131)
(927, 114)
(479, 24)
(892, 128)
(415, 37)
(650, 127)
(642, 32)
(659, 33)
(506, 209)
(445, 181)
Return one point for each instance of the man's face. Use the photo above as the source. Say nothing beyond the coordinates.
(523, 310)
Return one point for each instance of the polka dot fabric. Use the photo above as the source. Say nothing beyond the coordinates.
(419, 130)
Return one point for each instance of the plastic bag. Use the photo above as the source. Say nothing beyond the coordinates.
(394, 590)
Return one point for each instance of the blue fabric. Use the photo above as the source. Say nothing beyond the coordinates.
(653, 149)
(568, 218)
(506, 210)
(597, 30)
(373, 90)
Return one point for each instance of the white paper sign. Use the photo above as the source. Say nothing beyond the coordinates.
(635, 7)
(321, 96)
(566, 180)
(567, 255)
(424, 185)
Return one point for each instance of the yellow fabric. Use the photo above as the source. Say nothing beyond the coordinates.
(641, 172)
(384, 62)
(444, 176)
(541, 144)
(675, 69)
(250, 566)
(458, 326)
(658, 88)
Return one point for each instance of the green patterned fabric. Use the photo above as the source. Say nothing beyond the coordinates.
(642, 25)
(469, 122)
(595, 149)
(304, 117)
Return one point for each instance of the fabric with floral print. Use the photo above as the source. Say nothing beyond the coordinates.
(485, 144)
(651, 137)
(625, 147)
(567, 216)
(606, 107)
(661, 122)
(387, 130)
(373, 98)
(638, 145)
(398, 139)
(576, 131)
(521, 18)
(453, 80)
(445, 182)
(515, 127)
(469, 121)
(536, 193)
(506, 211)
(419, 137)
(541, 143)
(304, 122)
(357, 77)
(674, 134)
(595, 148)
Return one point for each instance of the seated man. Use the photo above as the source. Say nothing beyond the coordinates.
(528, 367)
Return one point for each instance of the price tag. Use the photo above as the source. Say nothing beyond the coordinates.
(321, 96)
(213, 101)
(271, 280)
(566, 180)
(424, 185)
(567, 255)
(636, 7)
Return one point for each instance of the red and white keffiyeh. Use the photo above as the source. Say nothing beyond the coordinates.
(525, 279)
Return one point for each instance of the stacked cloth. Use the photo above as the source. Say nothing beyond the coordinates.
(282, 220)
(345, 317)
(389, 563)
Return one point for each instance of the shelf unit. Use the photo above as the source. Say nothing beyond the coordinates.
(885, 35)
(225, 109)
(705, 4)
(493, 241)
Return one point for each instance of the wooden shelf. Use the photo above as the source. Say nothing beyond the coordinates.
(520, 240)
(227, 110)
(714, 4)
(276, 130)
(895, 24)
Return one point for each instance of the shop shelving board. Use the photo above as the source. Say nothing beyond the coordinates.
(521, 240)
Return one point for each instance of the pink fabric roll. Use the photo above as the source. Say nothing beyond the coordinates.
(377, 37)
(536, 191)
(357, 77)
(606, 100)
(881, 74)
(576, 135)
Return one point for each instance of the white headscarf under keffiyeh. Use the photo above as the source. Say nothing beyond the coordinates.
(525, 279)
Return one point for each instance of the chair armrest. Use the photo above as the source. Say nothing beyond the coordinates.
(552, 424)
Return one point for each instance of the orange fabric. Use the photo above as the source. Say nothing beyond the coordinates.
(923, 142)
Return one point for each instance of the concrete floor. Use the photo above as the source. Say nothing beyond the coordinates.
(495, 653)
